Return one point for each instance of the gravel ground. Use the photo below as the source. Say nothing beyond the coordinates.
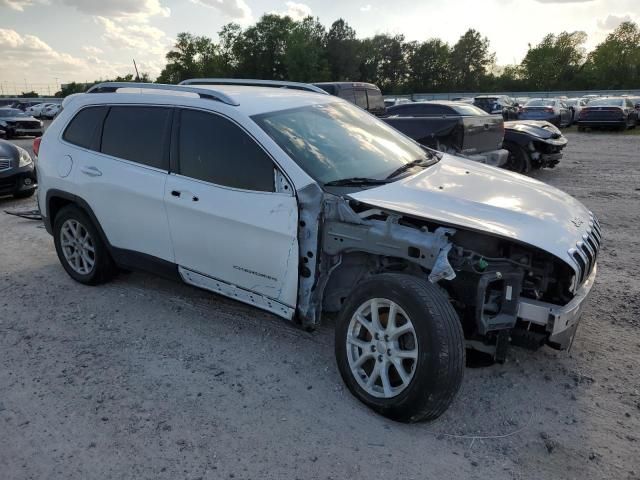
(145, 378)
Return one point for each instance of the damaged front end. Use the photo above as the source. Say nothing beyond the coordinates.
(504, 292)
(542, 141)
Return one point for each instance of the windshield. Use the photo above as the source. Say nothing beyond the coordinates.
(336, 141)
(11, 112)
(606, 102)
(540, 103)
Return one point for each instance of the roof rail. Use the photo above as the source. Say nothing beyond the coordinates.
(112, 87)
(245, 82)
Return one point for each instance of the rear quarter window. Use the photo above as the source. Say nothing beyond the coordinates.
(84, 129)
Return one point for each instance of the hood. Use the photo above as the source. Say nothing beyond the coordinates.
(537, 128)
(466, 194)
(22, 118)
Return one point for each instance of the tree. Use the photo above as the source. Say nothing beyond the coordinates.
(555, 62)
(615, 63)
(191, 57)
(383, 61)
(261, 48)
(342, 52)
(30, 94)
(305, 57)
(470, 60)
(428, 66)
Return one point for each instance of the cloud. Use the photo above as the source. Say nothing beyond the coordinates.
(135, 36)
(235, 9)
(135, 9)
(366, 8)
(20, 5)
(27, 53)
(90, 49)
(563, 1)
(613, 21)
(297, 11)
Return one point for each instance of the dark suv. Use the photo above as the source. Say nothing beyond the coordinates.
(17, 173)
(364, 95)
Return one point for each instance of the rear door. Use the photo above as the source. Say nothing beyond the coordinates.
(232, 214)
(121, 173)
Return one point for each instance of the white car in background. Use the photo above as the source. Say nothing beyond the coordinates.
(51, 111)
(576, 105)
(36, 110)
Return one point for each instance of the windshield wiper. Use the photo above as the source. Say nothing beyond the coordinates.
(407, 166)
(355, 181)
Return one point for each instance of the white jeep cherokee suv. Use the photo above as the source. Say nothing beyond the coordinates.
(300, 203)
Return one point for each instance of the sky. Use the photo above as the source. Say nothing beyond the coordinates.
(44, 43)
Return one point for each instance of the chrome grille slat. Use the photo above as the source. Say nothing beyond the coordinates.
(585, 252)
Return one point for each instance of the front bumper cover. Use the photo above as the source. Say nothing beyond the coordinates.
(561, 322)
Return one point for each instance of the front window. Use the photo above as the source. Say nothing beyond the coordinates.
(336, 141)
(469, 110)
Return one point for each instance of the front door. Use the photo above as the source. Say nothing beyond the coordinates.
(232, 232)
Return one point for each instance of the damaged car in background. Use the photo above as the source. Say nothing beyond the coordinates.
(325, 208)
(466, 130)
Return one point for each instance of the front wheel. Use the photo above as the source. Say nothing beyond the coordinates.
(400, 347)
(518, 160)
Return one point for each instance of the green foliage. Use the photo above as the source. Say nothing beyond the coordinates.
(30, 94)
(615, 63)
(280, 48)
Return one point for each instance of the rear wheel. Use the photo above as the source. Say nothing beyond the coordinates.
(518, 160)
(80, 248)
(400, 347)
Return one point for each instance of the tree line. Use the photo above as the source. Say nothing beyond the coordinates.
(281, 48)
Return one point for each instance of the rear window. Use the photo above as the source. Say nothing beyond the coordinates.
(468, 110)
(84, 129)
(376, 102)
(139, 134)
(361, 98)
(606, 102)
(540, 103)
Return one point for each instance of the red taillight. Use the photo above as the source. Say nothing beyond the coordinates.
(36, 145)
(549, 110)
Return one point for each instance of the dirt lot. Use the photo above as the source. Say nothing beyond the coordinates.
(144, 378)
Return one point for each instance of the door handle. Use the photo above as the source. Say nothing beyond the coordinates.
(91, 171)
(177, 193)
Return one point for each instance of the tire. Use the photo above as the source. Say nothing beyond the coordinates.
(103, 268)
(436, 345)
(518, 160)
(24, 194)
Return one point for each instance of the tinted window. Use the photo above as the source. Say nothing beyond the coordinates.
(606, 102)
(347, 94)
(469, 110)
(139, 134)
(84, 129)
(213, 149)
(540, 103)
(361, 99)
(376, 102)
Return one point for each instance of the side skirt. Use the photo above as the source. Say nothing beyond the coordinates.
(237, 293)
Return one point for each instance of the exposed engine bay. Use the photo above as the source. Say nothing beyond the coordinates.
(485, 277)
